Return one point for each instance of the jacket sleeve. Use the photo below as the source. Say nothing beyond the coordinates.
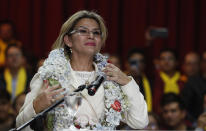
(137, 116)
(27, 111)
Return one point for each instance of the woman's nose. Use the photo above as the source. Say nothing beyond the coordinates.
(91, 35)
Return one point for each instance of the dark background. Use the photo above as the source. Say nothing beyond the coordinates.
(38, 22)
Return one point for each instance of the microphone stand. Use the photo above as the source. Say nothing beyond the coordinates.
(41, 114)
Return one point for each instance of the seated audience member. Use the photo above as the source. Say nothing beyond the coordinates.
(154, 121)
(6, 118)
(193, 91)
(173, 113)
(191, 65)
(114, 59)
(14, 78)
(156, 64)
(7, 36)
(136, 68)
(201, 121)
(18, 102)
(204, 101)
(39, 63)
(167, 79)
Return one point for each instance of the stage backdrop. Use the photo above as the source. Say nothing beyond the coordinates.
(38, 22)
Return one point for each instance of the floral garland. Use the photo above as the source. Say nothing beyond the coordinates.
(56, 69)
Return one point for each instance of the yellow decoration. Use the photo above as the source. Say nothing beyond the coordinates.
(21, 81)
(148, 95)
(171, 84)
(2, 51)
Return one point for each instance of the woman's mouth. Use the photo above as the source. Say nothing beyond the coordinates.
(90, 44)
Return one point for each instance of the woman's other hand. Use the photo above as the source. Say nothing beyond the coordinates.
(47, 96)
(115, 74)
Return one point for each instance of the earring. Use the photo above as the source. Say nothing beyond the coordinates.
(70, 49)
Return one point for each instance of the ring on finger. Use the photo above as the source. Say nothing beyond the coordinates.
(52, 100)
(110, 74)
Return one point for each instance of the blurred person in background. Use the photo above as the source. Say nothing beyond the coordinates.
(135, 59)
(173, 113)
(114, 59)
(154, 122)
(201, 121)
(167, 79)
(18, 103)
(40, 63)
(193, 92)
(151, 34)
(6, 116)
(136, 68)
(7, 36)
(191, 65)
(14, 77)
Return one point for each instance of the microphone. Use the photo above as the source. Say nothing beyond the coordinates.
(93, 87)
(80, 88)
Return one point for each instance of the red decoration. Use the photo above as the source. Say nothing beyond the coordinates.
(116, 106)
(109, 61)
(77, 126)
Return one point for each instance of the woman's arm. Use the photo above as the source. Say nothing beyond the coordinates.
(27, 111)
(41, 97)
(137, 116)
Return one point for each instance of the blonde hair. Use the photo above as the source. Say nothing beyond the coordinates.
(69, 25)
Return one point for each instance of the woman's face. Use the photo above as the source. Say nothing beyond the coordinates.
(85, 39)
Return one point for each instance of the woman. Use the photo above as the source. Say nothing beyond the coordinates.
(78, 62)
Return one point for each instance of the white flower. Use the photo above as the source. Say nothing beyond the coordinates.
(82, 121)
(56, 67)
(93, 121)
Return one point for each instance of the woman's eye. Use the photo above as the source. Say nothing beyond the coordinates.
(97, 33)
(82, 31)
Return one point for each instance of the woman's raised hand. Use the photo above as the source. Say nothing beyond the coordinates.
(115, 74)
(47, 96)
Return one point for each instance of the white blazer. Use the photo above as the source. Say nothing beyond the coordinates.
(91, 106)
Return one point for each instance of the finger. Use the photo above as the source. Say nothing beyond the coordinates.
(53, 100)
(108, 74)
(45, 84)
(58, 91)
(105, 70)
(59, 97)
(112, 78)
(108, 69)
(112, 66)
(108, 78)
(55, 87)
(109, 66)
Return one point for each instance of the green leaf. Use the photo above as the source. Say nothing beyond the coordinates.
(53, 82)
(50, 119)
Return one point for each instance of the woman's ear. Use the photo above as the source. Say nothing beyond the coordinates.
(67, 41)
